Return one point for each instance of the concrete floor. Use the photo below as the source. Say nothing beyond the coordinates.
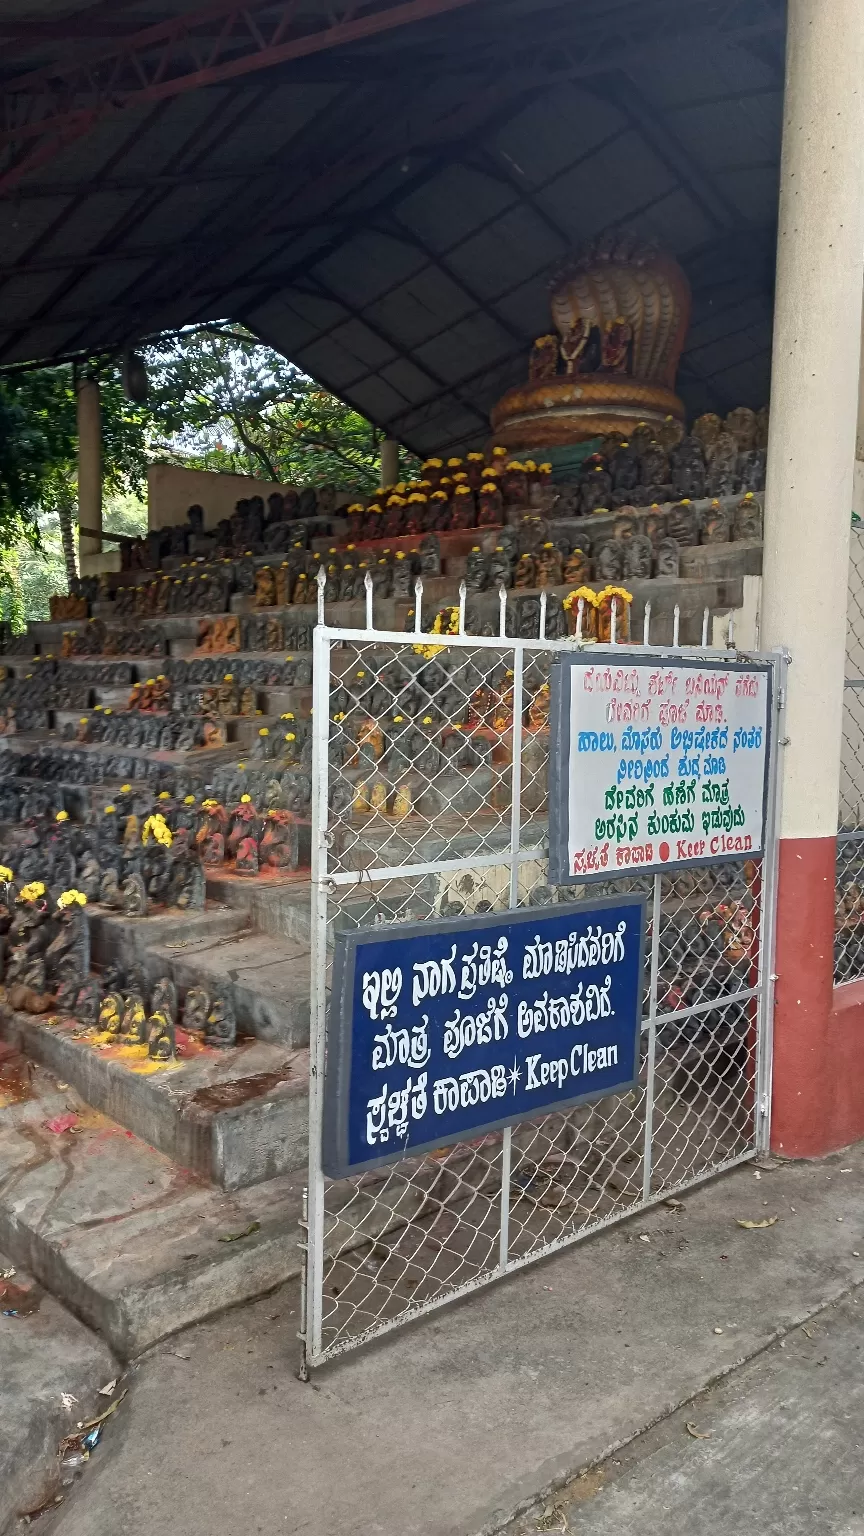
(452, 1427)
(776, 1448)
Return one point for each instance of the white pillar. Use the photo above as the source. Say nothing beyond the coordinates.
(389, 461)
(89, 465)
(858, 487)
(814, 394)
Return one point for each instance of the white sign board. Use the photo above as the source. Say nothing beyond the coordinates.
(655, 764)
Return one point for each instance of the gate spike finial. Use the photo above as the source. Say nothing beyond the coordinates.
(367, 582)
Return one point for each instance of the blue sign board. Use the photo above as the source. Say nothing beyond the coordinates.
(441, 1031)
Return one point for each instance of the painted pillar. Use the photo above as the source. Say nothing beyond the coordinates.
(858, 487)
(389, 461)
(89, 465)
(811, 455)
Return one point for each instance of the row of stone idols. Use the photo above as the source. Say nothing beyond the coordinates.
(156, 732)
(456, 494)
(23, 800)
(422, 510)
(115, 1005)
(26, 699)
(249, 840)
(406, 705)
(225, 636)
(95, 674)
(79, 767)
(207, 591)
(23, 717)
(97, 639)
(36, 795)
(286, 517)
(716, 459)
(247, 671)
(71, 605)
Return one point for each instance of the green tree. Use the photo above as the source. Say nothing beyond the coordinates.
(218, 399)
(221, 400)
(38, 472)
(38, 573)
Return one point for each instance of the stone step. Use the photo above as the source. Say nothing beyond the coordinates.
(268, 983)
(135, 1246)
(236, 1117)
(279, 907)
(46, 1352)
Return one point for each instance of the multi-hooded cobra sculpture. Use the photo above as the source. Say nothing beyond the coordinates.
(621, 309)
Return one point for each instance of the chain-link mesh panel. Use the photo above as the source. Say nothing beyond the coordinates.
(849, 909)
(849, 916)
(403, 1239)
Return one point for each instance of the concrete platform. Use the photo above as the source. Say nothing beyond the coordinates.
(44, 1351)
(235, 1117)
(135, 1246)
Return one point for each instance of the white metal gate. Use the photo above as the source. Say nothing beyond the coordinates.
(461, 718)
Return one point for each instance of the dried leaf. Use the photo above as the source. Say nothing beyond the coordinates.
(108, 1388)
(754, 1226)
(235, 1237)
(101, 1417)
(697, 1434)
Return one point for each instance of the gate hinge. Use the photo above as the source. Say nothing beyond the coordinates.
(763, 1104)
(781, 697)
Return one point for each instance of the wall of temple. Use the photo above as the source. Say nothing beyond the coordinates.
(172, 489)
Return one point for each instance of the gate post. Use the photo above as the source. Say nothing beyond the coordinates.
(818, 1073)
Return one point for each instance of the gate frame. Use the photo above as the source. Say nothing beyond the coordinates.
(325, 882)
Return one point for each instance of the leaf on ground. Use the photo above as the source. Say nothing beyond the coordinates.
(235, 1237)
(754, 1226)
(100, 1418)
(697, 1434)
(108, 1388)
(554, 1518)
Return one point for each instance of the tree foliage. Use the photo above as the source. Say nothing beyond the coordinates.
(218, 399)
(221, 400)
(39, 442)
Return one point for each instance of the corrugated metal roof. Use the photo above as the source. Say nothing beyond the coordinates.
(386, 213)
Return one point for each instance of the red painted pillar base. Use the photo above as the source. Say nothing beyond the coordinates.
(818, 1093)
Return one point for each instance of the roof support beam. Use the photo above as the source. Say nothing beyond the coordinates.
(162, 61)
(695, 180)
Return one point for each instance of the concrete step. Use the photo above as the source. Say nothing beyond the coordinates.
(135, 1246)
(269, 983)
(236, 1117)
(281, 907)
(45, 1352)
(268, 980)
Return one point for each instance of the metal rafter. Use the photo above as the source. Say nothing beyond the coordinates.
(155, 63)
(145, 204)
(389, 340)
(694, 179)
(467, 118)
